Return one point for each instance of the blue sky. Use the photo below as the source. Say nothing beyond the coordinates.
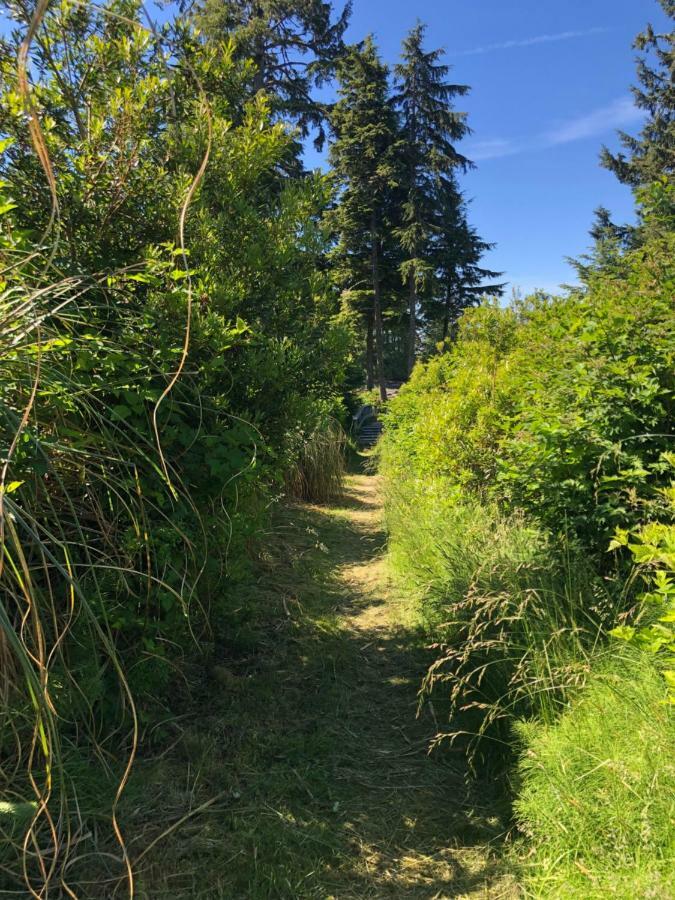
(550, 83)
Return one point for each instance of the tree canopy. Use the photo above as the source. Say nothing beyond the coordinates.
(429, 129)
(293, 47)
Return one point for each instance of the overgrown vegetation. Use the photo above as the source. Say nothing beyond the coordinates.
(521, 465)
(171, 356)
(598, 788)
(529, 495)
(188, 319)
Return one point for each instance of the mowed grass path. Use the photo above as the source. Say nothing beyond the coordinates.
(306, 731)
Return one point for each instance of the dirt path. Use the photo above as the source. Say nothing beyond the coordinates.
(314, 738)
(422, 835)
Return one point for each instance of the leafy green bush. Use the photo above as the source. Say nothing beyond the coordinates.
(653, 549)
(444, 421)
(597, 791)
(510, 461)
(561, 407)
(151, 396)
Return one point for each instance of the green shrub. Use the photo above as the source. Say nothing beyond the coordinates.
(444, 421)
(561, 407)
(653, 549)
(597, 793)
(509, 462)
(150, 396)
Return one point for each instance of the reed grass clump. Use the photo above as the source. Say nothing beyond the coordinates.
(317, 473)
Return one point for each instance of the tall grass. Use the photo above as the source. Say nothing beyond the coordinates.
(81, 581)
(597, 791)
(76, 561)
(514, 622)
(317, 473)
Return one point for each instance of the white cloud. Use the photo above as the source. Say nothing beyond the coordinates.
(617, 114)
(532, 41)
(492, 149)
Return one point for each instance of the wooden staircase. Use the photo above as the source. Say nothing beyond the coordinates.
(369, 432)
(366, 426)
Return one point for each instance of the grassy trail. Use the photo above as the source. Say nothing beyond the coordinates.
(313, 741)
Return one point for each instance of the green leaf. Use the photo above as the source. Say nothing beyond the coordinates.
(623, 633)
(11, 487)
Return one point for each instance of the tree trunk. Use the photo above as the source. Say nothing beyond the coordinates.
(258, 54)
(370, 363)
(446, 315)
(377, 311)
(412, 325)
(259, 77)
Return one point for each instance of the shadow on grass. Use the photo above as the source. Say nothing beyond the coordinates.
(306, 725)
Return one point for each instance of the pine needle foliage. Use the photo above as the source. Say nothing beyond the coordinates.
(363, 156)
(430, 127)
(650, 155)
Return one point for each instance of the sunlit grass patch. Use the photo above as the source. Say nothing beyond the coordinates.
(597, 795)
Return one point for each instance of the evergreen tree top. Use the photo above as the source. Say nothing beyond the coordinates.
(363, 119)
(651, 155)
(425, 100)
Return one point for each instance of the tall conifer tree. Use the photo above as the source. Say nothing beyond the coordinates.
(429, 128)
(363, 157)
(651, 155)
(460, 281)
(610, 243)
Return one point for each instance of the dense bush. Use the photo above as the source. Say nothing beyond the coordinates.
(526, 469)
(169, 345)
(509, 462)
(561, 407)
(653, 549)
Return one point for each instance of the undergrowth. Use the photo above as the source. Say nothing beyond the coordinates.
(597, 790)
(318, 470)
(149, 403)
(512, 620)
